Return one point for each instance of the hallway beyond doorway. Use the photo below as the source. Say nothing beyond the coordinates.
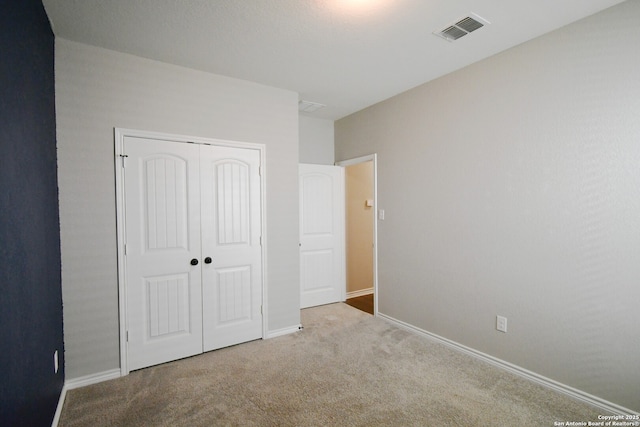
(364, 303)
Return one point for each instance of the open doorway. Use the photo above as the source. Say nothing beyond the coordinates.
(360, 233)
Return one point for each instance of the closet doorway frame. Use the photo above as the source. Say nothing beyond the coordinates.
(119, 161)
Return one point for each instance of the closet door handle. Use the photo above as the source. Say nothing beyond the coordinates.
(194, 261)
(207, 260)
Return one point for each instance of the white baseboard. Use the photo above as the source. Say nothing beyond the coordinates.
(56, 417)
(283, 331)
(92, 379)
(604, 405)
(360, 293)
(81, 382)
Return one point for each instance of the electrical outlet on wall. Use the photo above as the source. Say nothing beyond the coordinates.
(501, 323)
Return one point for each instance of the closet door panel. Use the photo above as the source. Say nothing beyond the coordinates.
(162, 220)
(231, 237)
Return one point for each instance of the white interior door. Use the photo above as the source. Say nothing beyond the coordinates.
(231, 246)
(192, 248)
(322, 276)
(162, 199)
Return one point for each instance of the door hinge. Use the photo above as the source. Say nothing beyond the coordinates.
(127, 336)
(124, 160)
(125, 249)
(260, 170)
(261, 313)
(260, 240)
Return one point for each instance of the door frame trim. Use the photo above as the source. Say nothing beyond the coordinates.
(119, 158)
(354, 161)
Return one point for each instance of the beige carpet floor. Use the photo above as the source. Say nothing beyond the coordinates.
(345, 368)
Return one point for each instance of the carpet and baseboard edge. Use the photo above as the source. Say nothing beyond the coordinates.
(580, 395)
(56, 417)
(116, 373)
(360, 293)
(283, 331)
(595, 401)
(81, 382)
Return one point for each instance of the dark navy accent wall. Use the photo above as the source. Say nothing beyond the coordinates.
(30, 294)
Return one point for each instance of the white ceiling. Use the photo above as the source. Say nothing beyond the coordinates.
(346, 54)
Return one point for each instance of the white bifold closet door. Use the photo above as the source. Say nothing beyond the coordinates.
(192, 248)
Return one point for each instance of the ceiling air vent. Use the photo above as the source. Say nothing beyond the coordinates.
(308, 106)
(462, 27)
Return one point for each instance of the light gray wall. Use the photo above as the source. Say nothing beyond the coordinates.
(512, 187)
(97, 90)
(316, 141)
